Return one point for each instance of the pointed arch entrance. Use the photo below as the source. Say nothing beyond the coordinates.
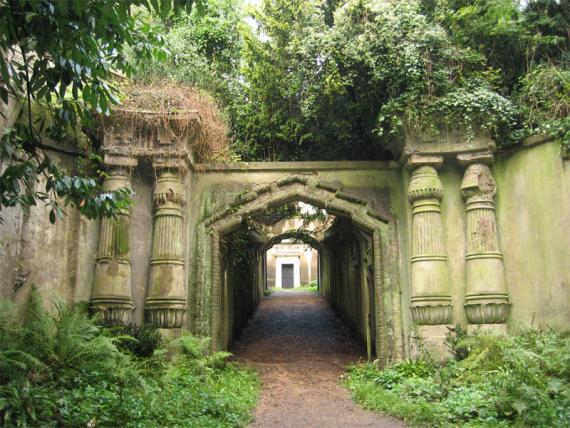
(382, 295)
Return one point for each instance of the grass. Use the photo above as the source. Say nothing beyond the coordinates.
(65, 370)
(493, 381)
(311, 287)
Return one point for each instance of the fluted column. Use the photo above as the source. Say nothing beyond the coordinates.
(166, 298)
(431, 299)
(112, 293)
(486, 300)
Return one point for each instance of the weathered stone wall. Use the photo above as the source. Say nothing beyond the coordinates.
(56, 259)
(59, 259)
(532, 219)
(351, 285)
(533, 213)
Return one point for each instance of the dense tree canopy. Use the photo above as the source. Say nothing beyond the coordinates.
(314, 79)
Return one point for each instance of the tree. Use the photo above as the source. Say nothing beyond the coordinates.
(58, 56)
(204, 48)
(316, 88)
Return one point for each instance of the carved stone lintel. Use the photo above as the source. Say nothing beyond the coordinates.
(483, 157)
(177, 163)
(146, 134)
(415, 160)
(119, 161)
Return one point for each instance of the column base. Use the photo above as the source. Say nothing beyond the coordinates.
(431, 314)
(431, 339)
(165, 313)
(483, 310)
(113, 310)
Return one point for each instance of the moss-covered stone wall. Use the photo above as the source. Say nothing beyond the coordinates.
(532, 214)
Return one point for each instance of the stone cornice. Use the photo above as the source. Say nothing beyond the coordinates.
(165, 139)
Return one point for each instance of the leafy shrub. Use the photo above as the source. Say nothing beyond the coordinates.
(64, 370)
(454, 342)
(545, 97)
(494, 381)
(144, 339)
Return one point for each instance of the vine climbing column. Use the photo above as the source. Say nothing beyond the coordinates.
(431, 298)
(112, 293)
(166, 298)
(486, 299)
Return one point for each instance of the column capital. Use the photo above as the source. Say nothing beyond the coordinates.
(425, 184)
(168, 188)
(478, 182)
(120, 161)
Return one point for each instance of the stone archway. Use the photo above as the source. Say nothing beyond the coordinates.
(308, 189)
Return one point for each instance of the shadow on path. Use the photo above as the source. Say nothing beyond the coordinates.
(300, 348)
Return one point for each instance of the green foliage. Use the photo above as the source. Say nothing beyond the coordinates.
(142, 340)
(312, 287)
(455, 342)
(64, 370)
(380, 66)
(499, 380)
(204, 47)
(545, 96)
(311, 79)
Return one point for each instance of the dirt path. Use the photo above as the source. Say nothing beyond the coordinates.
(300, 347)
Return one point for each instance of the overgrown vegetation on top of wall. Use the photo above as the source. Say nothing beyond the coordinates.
(311, 79)
(493, 381)
(65, 370)
(167, 98)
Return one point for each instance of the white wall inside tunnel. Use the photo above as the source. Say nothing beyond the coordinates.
(303, 257)
(295, 261)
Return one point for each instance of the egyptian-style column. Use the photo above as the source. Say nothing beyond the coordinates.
(112, 293)
(431, 298)
(166, 298)
(486, 300)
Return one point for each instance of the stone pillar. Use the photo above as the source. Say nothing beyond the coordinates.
(165, 304)
(112, 293)
(486, 299)
(431, 297)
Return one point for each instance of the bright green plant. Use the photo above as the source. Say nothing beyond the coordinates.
(498, 381)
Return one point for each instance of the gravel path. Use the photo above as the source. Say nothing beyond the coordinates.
(299, 346)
